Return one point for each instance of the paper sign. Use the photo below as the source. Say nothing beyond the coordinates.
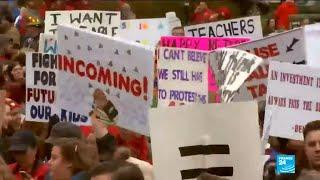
(293, 99)
(284, 47)
(104, 22)
(202, 43)
(187, 140)
(41, 86)
(182, 76)
(48, 44)
(107, 73)
(312, 35)
(144, 31)
(249, 27)
(231, 68)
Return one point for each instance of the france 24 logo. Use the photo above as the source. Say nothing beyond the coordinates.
(285, 164)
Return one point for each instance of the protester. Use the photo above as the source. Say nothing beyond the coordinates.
(23, 146)
(71, 159)
(126, 11)
(283, 12)
(202, 14)
(311, 134)
(123, 153)
(105, 141)
(116, 170)
(5, 173)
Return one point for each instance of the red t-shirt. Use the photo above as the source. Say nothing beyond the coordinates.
(39, 173)
(282, 14)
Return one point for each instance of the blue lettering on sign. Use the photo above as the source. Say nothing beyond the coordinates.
(49, 48)
(285, 164)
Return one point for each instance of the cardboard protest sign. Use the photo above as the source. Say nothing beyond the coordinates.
(144, 31)
(48, 44)
(41, 86)
(182, 76)
(231, 68)
(293, 99)
(249, 27)
(312, 35)
(104, 22)
(188, 140)
(105, 73)
(284, 47)
(202, 43)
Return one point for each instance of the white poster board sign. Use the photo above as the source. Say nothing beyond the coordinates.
(312, 35)
(232, 67)
(284, 47)
(144, 31)
(189, 139)
(48, 44)
(182, 76)
(41, 86)
(249, 27)
(104, 22)
(106, 73)
(293, 99)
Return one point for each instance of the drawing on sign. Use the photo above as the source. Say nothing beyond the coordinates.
(284, 47)
(232, 67)
(188, 151)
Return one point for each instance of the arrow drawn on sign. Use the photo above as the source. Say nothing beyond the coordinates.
(294, 41)
(300, 62)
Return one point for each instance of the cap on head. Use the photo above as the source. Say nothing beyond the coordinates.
(64, 130)
(22, 140)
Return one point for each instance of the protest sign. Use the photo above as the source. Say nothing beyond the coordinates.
(182, 76)
(41, 86)
(202, 43)
(144, 31)
(312, 35)
(48, 44)
(205, 138)
(284, 47)
(104, 22)
(105, 73)
(249, 27)
(293, 99)
(231, 68)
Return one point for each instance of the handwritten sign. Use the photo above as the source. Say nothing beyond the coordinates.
(48, 44)
(202, 43)
(202, 138)
(104, 22)
(41, 86)
(144, 31)
(105, 73)
(249, 27)
(285, 47)
(293, 99)
(182, 75)
(231, 68)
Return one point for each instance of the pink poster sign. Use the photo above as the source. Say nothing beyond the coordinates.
(202, 43)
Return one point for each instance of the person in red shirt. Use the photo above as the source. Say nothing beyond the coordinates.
(283, 12)
(202, 14)
(23, 146)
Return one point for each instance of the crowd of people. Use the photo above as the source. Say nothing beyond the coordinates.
(60, 150)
